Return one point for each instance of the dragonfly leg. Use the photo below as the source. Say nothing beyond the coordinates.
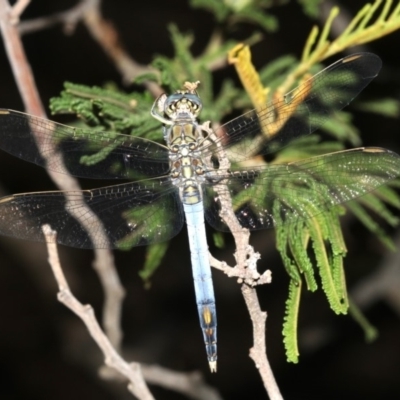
(157, 108)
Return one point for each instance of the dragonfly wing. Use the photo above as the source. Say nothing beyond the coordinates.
(268, 196)
(83, 153)
(119, 216)
(299, 112)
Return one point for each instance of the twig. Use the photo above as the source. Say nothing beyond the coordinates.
(246, 264)
(88, 11)
(17, 9)
(191, 384)
(132, 372)
(104, 263)
(19, 64)
(249, 275)
(69, 19)
(106, 35)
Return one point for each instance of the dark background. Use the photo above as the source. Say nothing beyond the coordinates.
(45, 351)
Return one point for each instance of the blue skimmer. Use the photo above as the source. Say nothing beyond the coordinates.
(188, 169)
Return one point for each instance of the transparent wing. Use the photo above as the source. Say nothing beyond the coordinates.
(120, 216)
(267, 196)
(87, 154)
(300, 112)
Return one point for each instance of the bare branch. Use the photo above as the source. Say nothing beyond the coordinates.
(258, 352)
(191, 384)
(17, 9)
(132, 372)
(248, 275)
(105, 34)
(69, 19)
(104, 262)
(19, 63)
(246, 270)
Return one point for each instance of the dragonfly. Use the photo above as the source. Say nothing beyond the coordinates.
(187, 177)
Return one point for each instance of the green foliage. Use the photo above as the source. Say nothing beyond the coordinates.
(232, 12)
(375, 202)
(305, 147)
(311, 7)
(365, 27)
(274, 73)
(154, 256)
(108, 109)
(323, 231)
(341, 128)
(370, 332)
(290, 322)
(386, 107)
(329, 250)
(219, 240)
(185, 67)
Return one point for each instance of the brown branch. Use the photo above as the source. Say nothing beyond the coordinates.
(19, 63)
(104, 33)
(69, 19)
(246, 270)
(191, 384)
(17, 9)
(132, 372)
(104, 262)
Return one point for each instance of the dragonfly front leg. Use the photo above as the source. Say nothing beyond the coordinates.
(157, 108)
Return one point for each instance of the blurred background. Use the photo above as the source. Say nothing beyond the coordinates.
(45, 351)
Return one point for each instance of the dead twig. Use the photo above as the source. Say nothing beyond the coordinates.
(104, 262)
(246, 270)
(104, 33)
(132, 372)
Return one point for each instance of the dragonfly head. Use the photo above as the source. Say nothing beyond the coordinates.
(183, 104)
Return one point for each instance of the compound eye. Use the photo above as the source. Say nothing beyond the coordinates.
(171, 108)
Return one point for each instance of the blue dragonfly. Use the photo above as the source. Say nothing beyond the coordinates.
(186, 171)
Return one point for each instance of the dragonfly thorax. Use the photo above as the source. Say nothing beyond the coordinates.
(184, 140)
